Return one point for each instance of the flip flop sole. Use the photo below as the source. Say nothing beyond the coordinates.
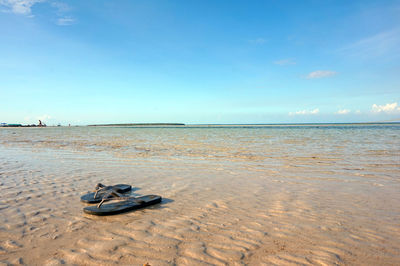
(123, 206)
(89, 198)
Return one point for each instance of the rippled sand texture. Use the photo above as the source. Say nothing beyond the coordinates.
(232, 196)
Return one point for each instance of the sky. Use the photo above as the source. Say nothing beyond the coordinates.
(126, 61)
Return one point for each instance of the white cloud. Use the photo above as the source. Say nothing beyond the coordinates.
(35, 119)
(321, 74)
(27, 119)
(22, 7)
(44, 117)
(285, 62)
(305, 112)
(258, 41)
(387, 108)
(66, 21)
(343, 112)
(380, 44)
(61, 7)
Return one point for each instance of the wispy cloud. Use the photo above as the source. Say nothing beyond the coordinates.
(321, 74)
(21, 7)
(258, 41)
(285, 62)
(61, 7)
(62, 10)
(35, 119)
(24, 7)
(343, 112)
(389, 108)
(380, 44)
(44, 117)
(306, 112)
(66, 21)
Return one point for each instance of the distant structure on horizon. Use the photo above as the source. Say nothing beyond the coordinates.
(20, 125)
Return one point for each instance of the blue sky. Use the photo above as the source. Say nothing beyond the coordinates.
(95, 61)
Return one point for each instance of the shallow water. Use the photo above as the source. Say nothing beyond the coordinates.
(232, 195)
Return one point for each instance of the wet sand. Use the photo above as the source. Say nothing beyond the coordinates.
(230, 196)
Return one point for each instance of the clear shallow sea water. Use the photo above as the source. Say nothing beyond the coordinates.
(252, 143)
(233, 194)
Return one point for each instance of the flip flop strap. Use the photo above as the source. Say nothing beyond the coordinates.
(100, 187)
(108, 196)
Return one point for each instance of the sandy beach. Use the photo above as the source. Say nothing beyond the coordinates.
(231, 196)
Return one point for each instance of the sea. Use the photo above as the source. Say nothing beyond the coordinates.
(232, 194)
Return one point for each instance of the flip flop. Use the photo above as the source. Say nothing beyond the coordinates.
(100, 190)
(122, 204)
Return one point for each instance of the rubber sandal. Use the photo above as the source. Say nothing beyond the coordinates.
(121, 204)
(101, 190)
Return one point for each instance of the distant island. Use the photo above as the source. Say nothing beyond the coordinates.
(137, 124)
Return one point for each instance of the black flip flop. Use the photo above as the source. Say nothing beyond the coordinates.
(123, 204)
(97, 196)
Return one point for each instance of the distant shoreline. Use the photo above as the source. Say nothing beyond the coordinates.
(137, 124)
(182, 125)
(241, 125)
(20, 125)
